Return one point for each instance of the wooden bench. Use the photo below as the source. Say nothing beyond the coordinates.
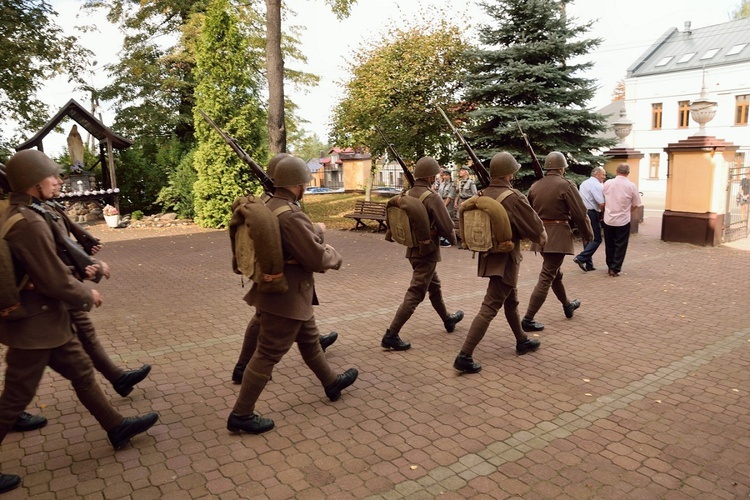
(368, 210)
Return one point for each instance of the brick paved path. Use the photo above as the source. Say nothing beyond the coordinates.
(643, 394)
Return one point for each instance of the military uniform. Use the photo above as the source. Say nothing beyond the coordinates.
(424, 279)
(45, 337)
(557, 201)
(502, 268)
(286, 318)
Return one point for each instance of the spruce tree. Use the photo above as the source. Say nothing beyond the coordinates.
(529, 67)
(228, 89)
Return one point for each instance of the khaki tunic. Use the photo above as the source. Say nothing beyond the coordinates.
(557, 201)
(304, 254)
(441, 221)
(55, 288)
(525, 224)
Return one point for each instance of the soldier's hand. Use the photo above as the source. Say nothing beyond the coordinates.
(543, 238)
(322, 227)
(95, 249)
(97, 298)
(105, 269)
(91, 271)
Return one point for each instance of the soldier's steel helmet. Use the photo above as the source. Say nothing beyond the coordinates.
(426, 166)
(28, 168)
(275, 161)
(291, 171)
(555, 161)
(503, 164)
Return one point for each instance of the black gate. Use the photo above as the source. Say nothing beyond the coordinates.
(738, 202)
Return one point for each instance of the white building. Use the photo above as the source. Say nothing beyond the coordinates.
(661, 84)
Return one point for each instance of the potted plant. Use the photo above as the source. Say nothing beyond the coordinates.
(111, 215)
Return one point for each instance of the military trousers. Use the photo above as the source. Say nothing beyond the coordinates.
(99, 357)
(424, 281)
(498, 295)
(277, 334)
(550, 277)
(250, 342)
(25, 370)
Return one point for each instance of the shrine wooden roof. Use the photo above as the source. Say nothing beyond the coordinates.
(85, 119)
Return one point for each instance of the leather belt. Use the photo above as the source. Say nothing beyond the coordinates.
(554, 221)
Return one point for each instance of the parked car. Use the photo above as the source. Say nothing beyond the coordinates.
(322, 190)
(387, 191)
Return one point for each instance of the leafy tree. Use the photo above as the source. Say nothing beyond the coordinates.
(525, 70)
(308, 145)
(178, 194)
(396, 85)
(227, 87)
(275, 73)
(742, 11)
(34, 49)
(618, 94)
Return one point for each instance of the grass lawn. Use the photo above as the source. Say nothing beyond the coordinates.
(330, 208)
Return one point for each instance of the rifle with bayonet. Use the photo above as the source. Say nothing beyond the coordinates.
(265, 181)
(407, 173)
(482, 173)
(538, 172)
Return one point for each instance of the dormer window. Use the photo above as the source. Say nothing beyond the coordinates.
(736, 49)
(685, 58)
(709, 54)
(664, 61)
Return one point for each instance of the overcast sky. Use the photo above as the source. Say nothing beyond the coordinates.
(627, 27)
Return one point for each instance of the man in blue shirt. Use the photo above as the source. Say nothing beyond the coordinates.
(592, 192)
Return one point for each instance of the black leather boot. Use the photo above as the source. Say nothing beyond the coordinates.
(529, 325)
(238, 372)
(28, 422)
(528, 345)
(121, 435)
(252, 424)
(393, 341)
(125, 383)
(343, 381)
(453, 319)
(9, 482)
(465, 363)
(327, 340)
(571, 307)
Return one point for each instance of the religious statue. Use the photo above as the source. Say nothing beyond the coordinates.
(75, 149)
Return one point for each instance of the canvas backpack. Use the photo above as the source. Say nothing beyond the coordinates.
(408, 222)
(10, 301)
(256, 243)
(484, 224)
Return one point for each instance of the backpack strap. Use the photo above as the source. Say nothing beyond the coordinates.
(504, 195)
(281, 210)
(425, 195)
(8, 224)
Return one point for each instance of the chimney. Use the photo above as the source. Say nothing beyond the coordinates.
(688, 31)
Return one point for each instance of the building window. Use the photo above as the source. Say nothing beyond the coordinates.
(683, 118)
(709, 54)
(656, 116)
(740, 110)
(653, 166)
(739, 160)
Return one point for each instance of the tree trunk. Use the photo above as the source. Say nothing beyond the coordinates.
(275, 75)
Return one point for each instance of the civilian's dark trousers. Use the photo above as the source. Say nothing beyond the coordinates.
(615, 245)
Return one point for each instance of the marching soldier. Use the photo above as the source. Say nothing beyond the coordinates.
(288, 317)
(424, 279)
(43, 336)
(253, 328)
(502, 268)
(557, 201)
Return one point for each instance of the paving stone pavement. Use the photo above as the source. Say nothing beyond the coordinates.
(642, 394)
